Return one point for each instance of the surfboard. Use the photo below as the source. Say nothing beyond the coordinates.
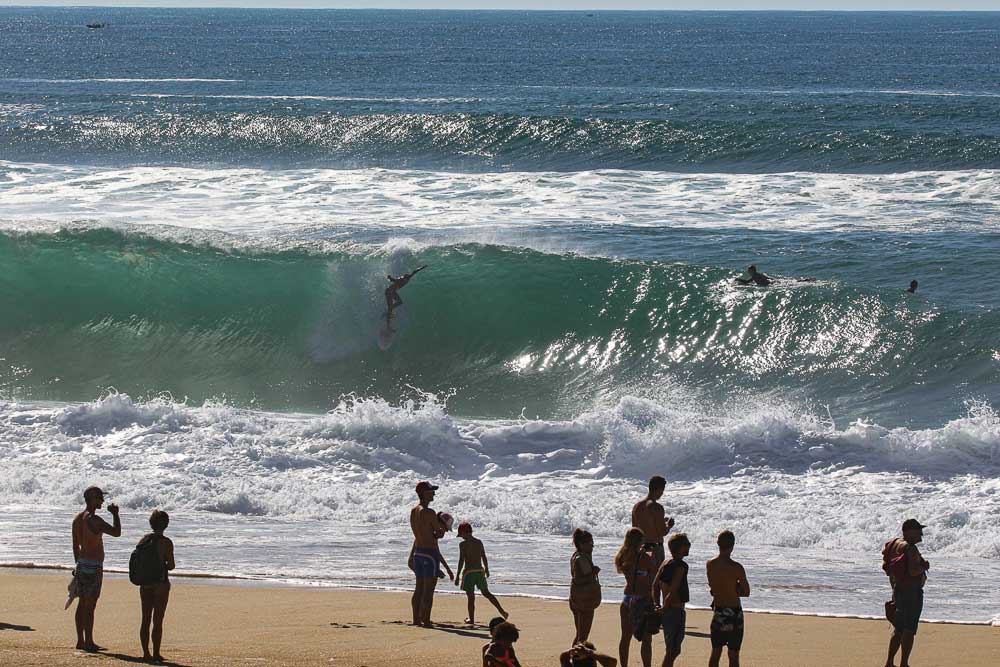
(386, 334)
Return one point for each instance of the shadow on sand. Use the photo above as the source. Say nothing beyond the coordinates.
(460, 630)
(19, 628)
(139, 660)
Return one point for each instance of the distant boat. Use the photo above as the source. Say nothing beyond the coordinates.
(96, 25)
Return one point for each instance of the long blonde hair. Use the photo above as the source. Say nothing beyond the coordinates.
(629, 552)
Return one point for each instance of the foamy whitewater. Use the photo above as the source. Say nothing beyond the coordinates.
(194, 243)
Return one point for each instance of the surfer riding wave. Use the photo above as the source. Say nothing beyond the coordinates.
(392, 298)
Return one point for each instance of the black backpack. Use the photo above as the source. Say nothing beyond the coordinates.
(145, 565)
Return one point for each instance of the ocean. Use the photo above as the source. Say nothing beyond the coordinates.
(198, 209)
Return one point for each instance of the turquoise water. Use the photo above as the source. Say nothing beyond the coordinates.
(198, 209)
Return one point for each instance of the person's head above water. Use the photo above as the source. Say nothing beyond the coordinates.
(913, 286)
(752, 269)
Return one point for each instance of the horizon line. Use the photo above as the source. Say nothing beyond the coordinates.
(52, 5)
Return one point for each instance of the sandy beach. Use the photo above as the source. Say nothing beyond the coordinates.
(222, 625)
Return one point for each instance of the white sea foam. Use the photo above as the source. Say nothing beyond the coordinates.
(307, 202)
(783, 480)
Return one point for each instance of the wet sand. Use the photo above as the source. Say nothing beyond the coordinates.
(221, 625)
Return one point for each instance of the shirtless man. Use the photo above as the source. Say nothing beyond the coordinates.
(648, 516)
(907, 591)
(727, 580)
(88, 553)
(425, 558)
(392, 299)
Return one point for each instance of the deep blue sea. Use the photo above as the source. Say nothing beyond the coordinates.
(198, 209)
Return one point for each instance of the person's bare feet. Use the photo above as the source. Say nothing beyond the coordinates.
(469, 622)
(92, 648)
(159, 658)
(504, 614)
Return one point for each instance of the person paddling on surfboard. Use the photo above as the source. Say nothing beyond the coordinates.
(392, 299)
(756, 277)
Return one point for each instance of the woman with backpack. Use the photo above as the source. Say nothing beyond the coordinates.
(152, 559)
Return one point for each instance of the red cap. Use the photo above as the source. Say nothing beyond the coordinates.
(425, 486)
(464, 527)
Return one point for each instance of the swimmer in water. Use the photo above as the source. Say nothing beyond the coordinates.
(756, 277)
(913, 287)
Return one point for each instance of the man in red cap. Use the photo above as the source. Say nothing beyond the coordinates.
(907, 572)
(88, 552)
(425, 557)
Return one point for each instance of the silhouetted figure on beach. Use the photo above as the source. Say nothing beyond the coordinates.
(494, 624)
(913, 287)
(88, 553)
(392, 298)
(585, 587)
(637, 562)
(727, 581)
(425, 557)
(648, 516)
(756, 277)
(671, 593)
(500, 651)
(907, 572)
(584, 654)
(472, 558)
(156, 555)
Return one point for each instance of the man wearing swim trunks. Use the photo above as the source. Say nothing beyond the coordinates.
(728, 582)
(425, 557)
(649, 517)
(88, 553)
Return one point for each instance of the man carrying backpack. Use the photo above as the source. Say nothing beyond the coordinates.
(907, 572)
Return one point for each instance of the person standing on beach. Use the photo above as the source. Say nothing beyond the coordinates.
(88, 553)
(425, 557)
(671, 593)
(585, 588)
(649, 517)
(472, 557)
(907, 572)
(727, 581)
(155, 595)
(638, 564)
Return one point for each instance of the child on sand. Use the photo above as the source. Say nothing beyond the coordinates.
(494, 623)
(500, 652)
(472, 557)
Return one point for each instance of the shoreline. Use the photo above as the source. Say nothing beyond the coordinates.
(29, 569)
(211, 625)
